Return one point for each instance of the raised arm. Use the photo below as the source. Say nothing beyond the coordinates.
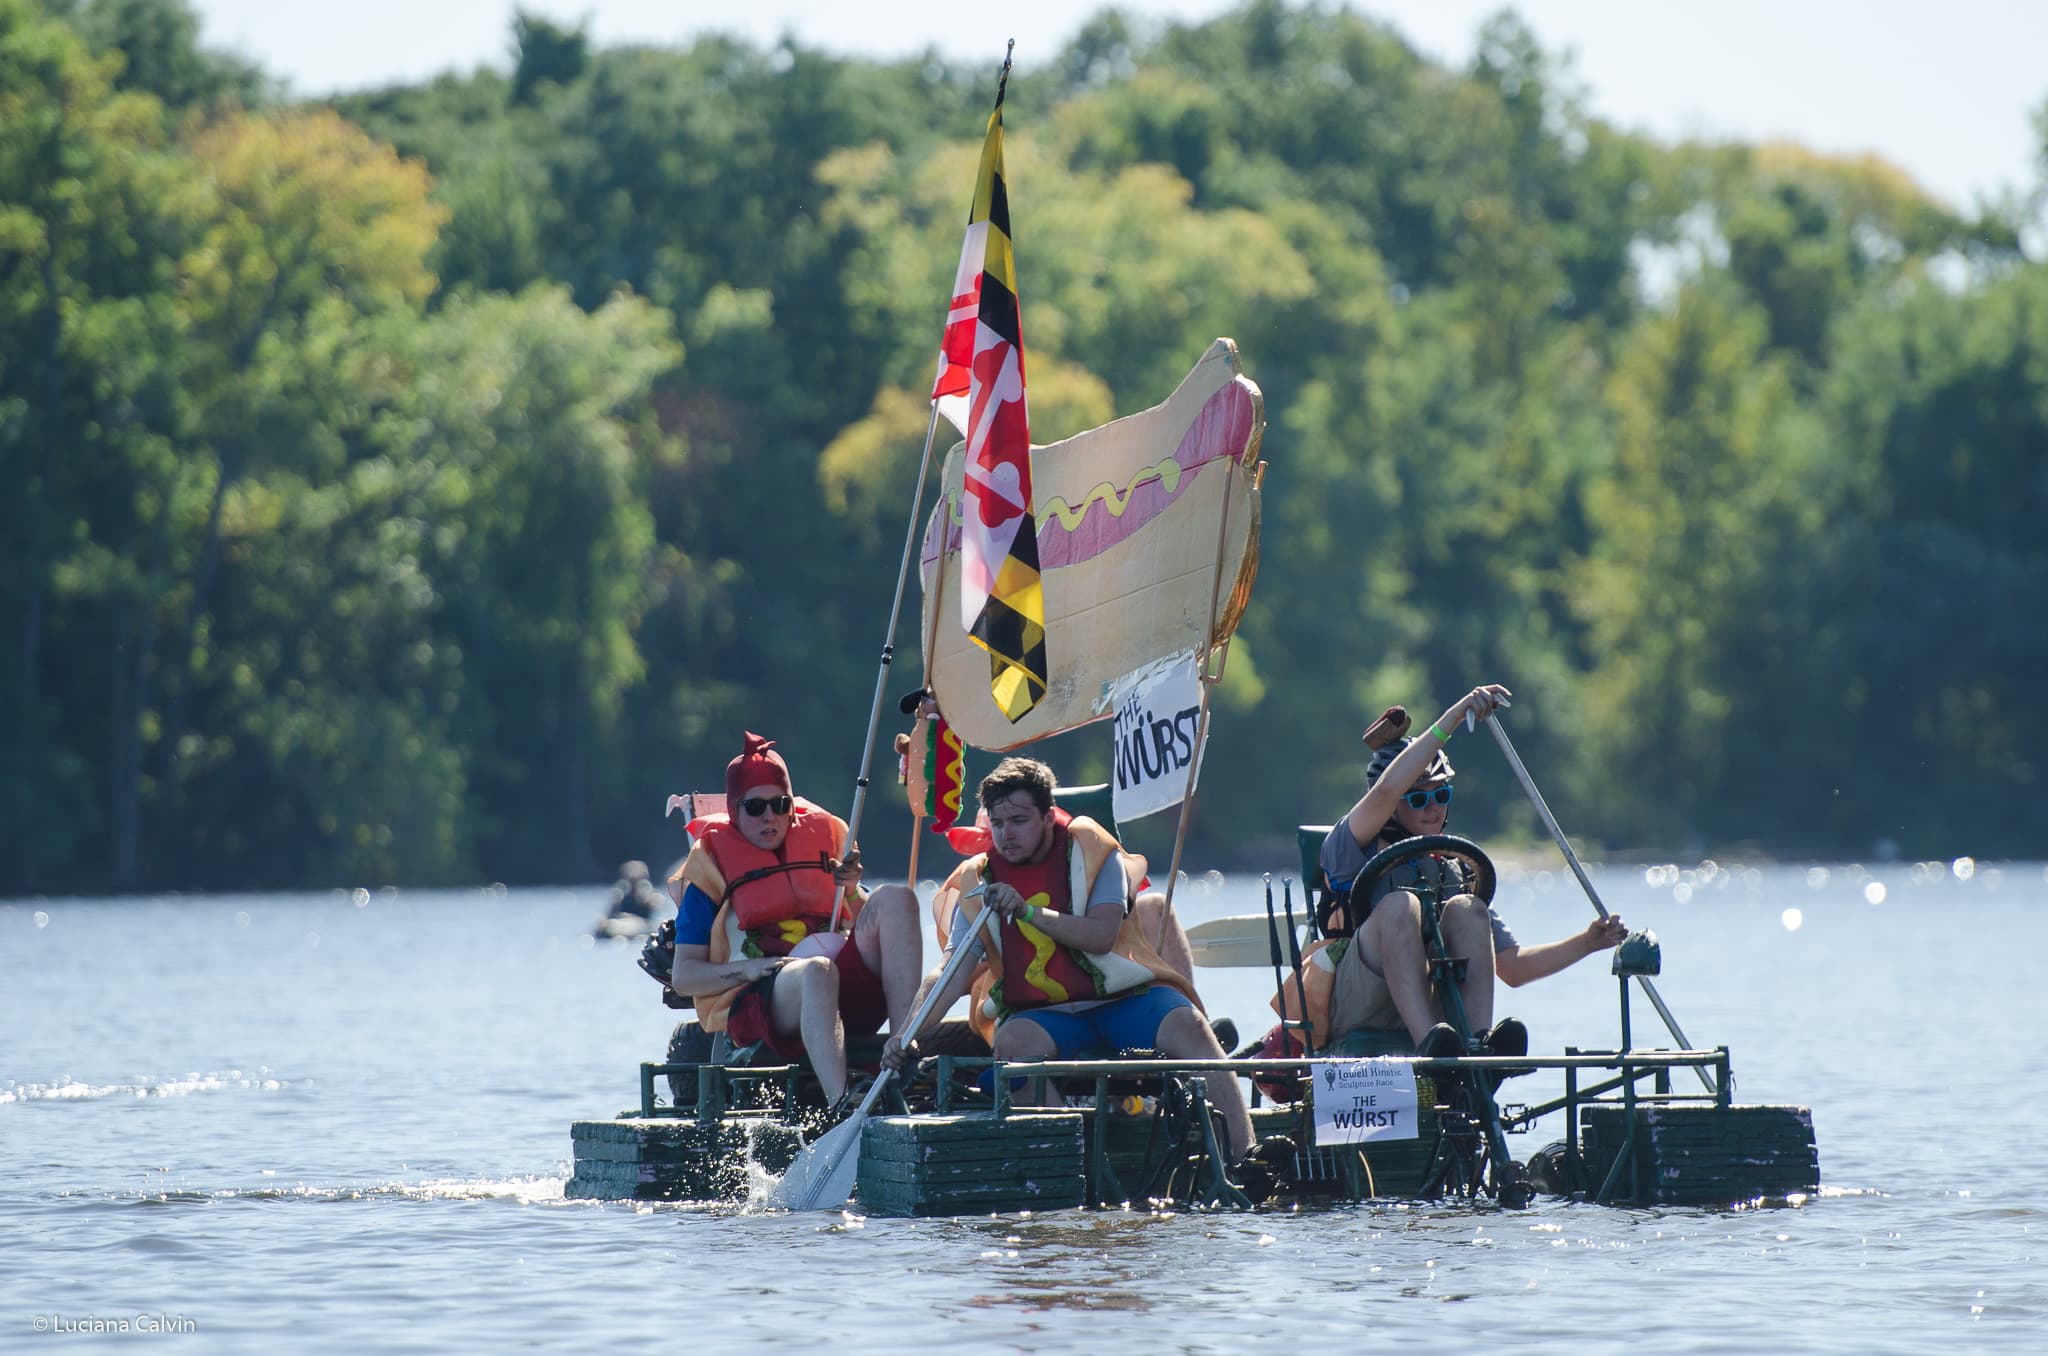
(1376, 806)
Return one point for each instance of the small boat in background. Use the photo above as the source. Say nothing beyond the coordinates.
(637, 905)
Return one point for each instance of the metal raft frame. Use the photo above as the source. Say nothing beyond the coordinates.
(1460, 1149)
(1191, 1161)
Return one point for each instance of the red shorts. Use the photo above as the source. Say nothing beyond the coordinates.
(863, 1007)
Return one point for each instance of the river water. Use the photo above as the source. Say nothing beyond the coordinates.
(340, 1121)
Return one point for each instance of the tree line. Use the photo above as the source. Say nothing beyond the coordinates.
(418, 485)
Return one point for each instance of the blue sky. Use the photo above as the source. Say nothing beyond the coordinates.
(1944, 90)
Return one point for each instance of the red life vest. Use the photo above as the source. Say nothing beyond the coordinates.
(1036, 969)
(778, 898)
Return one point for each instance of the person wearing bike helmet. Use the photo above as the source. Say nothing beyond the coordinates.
(1381, 980)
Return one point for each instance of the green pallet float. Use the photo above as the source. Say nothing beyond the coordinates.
(972, 1164)
(1703, 1155)
(673, 1159)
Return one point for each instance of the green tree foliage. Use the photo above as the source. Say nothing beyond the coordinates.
(545, 54)
(158, 43)
(366, 521)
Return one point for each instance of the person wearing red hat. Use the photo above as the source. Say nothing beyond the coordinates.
(761, 901)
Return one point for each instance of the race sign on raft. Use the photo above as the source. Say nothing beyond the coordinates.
(1158, 715)
(1361, 1099)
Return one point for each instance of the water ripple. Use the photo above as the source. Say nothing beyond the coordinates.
(70, 1090)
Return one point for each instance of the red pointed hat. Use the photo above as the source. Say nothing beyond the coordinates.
(758, 765)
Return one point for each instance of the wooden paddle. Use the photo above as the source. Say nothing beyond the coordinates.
(1240, 941)
(822, 1176)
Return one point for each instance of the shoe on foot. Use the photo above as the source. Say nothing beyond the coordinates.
(819, 1119)
(1440, 1043)
(1508, 1039)
(1264, 1168)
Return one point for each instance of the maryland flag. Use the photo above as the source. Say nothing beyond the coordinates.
(1002, 606)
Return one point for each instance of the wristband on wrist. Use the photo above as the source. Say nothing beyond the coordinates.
(1441, 736)
(1031, 913)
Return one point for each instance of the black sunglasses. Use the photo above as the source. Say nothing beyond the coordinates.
(1419, 799)
(756, 806)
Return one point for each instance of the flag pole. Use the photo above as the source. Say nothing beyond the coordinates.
(910, 533)
(1209, 680)
(928, 626)
(867, 749)
(867, 752)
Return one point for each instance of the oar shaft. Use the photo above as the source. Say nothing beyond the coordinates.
(962, 945)
(1500, 737)
(1564, 845)
(924, 1009)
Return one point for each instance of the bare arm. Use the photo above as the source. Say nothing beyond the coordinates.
(1376, 806)
(1519, 964)
(694, 974)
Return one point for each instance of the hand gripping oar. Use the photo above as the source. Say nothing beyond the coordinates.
(822, 1176)
(1500, 737)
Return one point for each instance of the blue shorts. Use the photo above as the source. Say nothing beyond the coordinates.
(1128, 1023)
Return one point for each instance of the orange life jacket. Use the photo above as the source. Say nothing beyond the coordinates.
(781, 897)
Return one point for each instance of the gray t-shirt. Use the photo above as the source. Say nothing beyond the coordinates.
(1342, 859)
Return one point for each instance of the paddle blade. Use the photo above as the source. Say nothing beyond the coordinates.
(822, 1176)
(1226, 953)
(1240, 941)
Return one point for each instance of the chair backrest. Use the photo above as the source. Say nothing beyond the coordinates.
(698, 804)
(1095, 802)
(1315, 886)
(694, 805)
(1308, 839)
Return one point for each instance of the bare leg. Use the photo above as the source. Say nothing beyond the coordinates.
(1392, 943)
(805, 999)
(1468, 932)
(1026, 1041)
(892, 944)
(1184, 1035)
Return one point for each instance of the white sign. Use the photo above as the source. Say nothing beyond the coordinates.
(1361, 1099)
(1158, 713)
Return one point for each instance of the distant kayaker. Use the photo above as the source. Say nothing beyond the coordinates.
(755, 944)
(1073, 975)
(1377, 978)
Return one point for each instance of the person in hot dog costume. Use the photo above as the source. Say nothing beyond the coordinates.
(1072, 974)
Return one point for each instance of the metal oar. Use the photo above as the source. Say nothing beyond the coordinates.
(822, 1176)
(1500, 737)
